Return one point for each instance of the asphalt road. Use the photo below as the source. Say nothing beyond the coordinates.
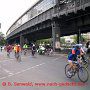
(37, 73)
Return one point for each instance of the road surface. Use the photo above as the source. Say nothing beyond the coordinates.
(37, 73)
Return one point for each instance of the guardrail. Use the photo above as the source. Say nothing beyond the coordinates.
(66, 5)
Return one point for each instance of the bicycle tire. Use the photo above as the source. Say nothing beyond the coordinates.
(8, 55)
(66, 71)
(85, 64)
(82, 69)
(88, 59)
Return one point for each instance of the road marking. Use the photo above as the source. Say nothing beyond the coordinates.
(11, 59)
(7, 60)
(11, 74)
(56, 58)
(29, 68)
(7, 71)
(2, 78)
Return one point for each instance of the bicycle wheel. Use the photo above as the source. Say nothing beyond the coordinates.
(83, 74)
(85, 62)
(8, 55)
(18, 57)
(69, 72)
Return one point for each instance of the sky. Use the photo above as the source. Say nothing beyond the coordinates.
(11, 10)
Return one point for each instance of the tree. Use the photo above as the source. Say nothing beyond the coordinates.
(2, 39)
(82, 38)
(44, 41)
(62, 40)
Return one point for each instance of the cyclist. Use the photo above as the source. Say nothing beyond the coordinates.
(14, 48)
(82, 52)
(8, 49)
(25, 47)
(17, 51)
(73, 55)
(33, 49)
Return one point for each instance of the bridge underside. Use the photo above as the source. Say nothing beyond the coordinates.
(72, 23)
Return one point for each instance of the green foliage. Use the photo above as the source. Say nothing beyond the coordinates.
(43, 41)
(2, 42)
(82, 38)
(62, 40)
(2, 39)
(74, 38)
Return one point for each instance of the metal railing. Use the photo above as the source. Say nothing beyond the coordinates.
(69, 4)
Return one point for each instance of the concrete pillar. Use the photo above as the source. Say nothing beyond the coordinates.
(26, 41)
(79, 36)
(55, 35)
(21, 40)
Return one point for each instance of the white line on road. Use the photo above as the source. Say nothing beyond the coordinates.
(7, 71)
(11, 74)
(56, 58)
(7, 60)
(11, 59)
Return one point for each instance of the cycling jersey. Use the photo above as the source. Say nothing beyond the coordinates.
(17, 48)
(25, 46)
(72, 56)
(8, 48)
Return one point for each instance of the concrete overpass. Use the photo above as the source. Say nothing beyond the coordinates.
(51, 19)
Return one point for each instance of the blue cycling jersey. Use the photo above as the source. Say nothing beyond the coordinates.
(72, 55)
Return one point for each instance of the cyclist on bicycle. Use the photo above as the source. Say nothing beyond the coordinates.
(33, 49)
(73, 55)
(17, 51)
(82, 52)
(74, 66)
(25, 47)
(8, 49)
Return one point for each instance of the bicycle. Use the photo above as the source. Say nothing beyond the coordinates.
(18, 57)
(49, 52)
(25, 51)
(8, 54)
(33, 52)
(85, 61)
(81, 71)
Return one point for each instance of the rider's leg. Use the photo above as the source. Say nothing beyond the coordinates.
(70, 67)
(70, 64)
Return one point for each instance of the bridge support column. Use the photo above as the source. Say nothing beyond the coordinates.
(55, 35)
(79, 36)
(26, 41)
(21, 40)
